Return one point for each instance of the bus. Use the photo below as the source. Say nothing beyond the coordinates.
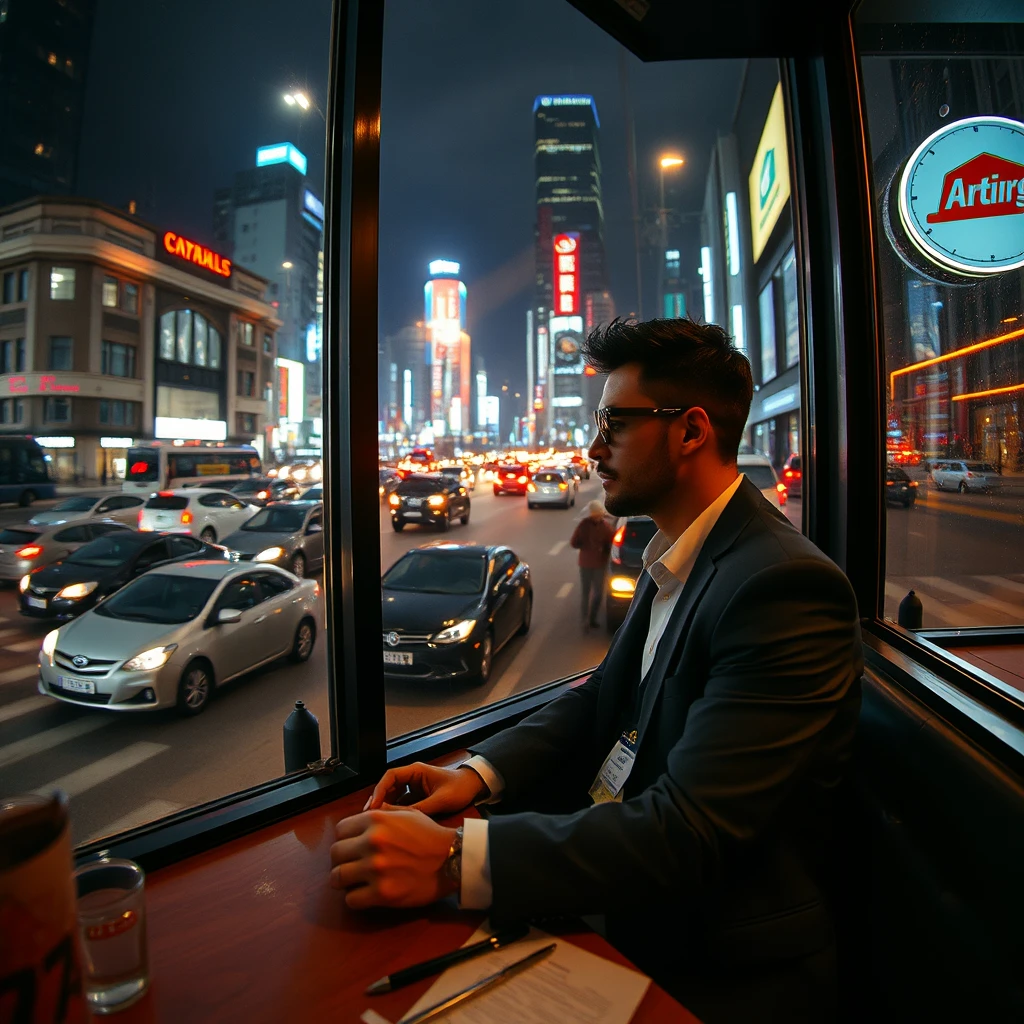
(165, 466)
(24, 471)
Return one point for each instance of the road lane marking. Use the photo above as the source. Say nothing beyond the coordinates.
(564, 590)
(1002, 581)
(142, 815)
(933, 607)
(4, 633)
(1015, 611)
(25, 645)
(977, 513)
(23, 707)
(558, 548)
(914, 533)
(77, 782)
(13, 675)
(50, 738)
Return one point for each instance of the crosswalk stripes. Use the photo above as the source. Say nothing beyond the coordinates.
(39, 742)
(24, 706)
(14, 675)
(970, 594)
(83, 779)
(23, 646)
(948, 603)
(141, 815)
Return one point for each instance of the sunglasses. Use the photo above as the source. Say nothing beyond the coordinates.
(604, 416)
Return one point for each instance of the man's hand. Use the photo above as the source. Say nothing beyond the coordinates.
(390, 859)
(435, 791)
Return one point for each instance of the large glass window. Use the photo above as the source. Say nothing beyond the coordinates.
(117, 360)
(766, 307)
(952, 305)
(167, 336)
(184, 347)
(61, 353)
(791, 309)
(62, 283)
(57, 410)
(109, 292)
(10, 287)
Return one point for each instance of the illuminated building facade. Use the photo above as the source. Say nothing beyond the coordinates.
(449, 351)
(114, 331)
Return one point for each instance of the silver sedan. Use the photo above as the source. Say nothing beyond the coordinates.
(289, 534)
(124, 508)
(174, 634)
(24, 547)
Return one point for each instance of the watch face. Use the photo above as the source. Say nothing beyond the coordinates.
(961, 197)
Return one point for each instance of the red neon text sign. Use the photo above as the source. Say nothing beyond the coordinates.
(20, 386)
(197, 254)
(567, 274)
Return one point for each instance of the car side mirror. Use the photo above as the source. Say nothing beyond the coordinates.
(314, 528)
(228, 615)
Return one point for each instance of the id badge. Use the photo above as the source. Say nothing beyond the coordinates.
(607, 787)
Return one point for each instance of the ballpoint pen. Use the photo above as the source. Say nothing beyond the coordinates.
(477, 987)
(408, 975)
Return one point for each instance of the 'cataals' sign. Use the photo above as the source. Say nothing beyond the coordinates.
(961, 196)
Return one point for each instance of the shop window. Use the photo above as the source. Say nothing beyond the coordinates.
(62, 283)
(109, 292)
(57, 410)
(130, 298)
(117, 360)
(766, 307)
(61, 353)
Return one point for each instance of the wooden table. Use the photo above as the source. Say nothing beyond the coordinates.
(251, 932)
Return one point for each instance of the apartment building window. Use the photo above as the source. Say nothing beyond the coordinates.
(130, 298)
(10, 285)
(268, 344)
(11, 410)
(61, 356)
(245, 334)
(109, 297)
(62, 283)
(116, 413)
(117, 360)
(6, 356)
(188, 337)
(19, 355)
(246, 383)
(245, 422)
(57, 410)
(23, 285)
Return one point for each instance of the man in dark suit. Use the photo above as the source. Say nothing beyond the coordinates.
(684, 789)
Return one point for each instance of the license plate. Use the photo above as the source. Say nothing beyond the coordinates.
(397, 658)
(35, 602)
(76, 685)
(410, 515)
(414, 502)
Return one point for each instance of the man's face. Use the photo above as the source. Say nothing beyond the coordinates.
(636, 469)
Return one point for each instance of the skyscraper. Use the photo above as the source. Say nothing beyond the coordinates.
(444, 297)
(44, 49)
(570, 258)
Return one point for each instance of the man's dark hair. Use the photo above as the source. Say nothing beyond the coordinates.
(682, 363)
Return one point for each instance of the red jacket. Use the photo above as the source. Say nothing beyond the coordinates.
(593, 538)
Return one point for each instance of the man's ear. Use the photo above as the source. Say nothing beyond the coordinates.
(696, 430)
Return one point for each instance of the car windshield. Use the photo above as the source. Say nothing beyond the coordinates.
(74, 505)
(106, 552)
(251, 486)
(760, 476)
(17, 536)
(157, 597)
(438, 572)
(276, 520)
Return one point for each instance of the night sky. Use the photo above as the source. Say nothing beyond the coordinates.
(181, 92)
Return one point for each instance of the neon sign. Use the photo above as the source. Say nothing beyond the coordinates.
(45, 383)
(567, 274)
(198, 254)
(961, 196)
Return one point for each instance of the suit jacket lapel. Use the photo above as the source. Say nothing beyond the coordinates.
(734, 517)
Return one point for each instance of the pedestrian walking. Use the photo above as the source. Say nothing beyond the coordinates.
(593, 539)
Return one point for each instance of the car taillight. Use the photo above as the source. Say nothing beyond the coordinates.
(522, 479)
(186, 517)
(561, 487)
(316, 589)
(913, 483)
(890, 483)
(781, 488)
(140, 517)
(970, 474)
(29, 551)
(620, 533)
(165, 494)
(791, 474)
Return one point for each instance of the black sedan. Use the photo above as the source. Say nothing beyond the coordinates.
(263, 490)
(447, 608)
(429, 499)
(899, 488)
(75, 584)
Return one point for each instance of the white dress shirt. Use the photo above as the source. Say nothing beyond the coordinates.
(669, 564)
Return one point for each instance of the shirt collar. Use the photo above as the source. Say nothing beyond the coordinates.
(664, 559)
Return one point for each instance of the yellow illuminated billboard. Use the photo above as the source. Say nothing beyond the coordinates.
(769, 176)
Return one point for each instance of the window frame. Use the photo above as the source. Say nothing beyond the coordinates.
(833, 226)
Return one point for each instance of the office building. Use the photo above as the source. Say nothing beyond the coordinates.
(270, 222)
(449, 353)
(114, 331)
(44, 52)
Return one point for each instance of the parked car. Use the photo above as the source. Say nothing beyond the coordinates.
(511, 479)
(963, 475)
(262, 490)
(792, 476)
(168, 638)
(25, 547)
(551, 485)
(624, 567)
(389, 480)
(899, 488)
(124, 508)
(78, 582)
(289, 534)
(448, 608)
(203, 512)
(758, 469)
(429, 499)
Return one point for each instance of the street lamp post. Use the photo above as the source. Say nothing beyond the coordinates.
(667, 162)
(302, 100)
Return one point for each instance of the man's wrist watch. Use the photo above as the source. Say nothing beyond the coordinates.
(452, 869)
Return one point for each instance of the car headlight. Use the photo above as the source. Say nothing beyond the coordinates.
(23, 583)
(270, 554)
(50, 644)
(622, 586)
(436, 500)
(453, 634)
(76, 590)
(151, 659)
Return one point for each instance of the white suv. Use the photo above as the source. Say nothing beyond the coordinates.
(203, 512)
(761, 473)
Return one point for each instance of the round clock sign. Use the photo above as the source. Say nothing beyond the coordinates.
(961, 196)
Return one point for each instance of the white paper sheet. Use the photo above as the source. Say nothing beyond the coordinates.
(570, 986)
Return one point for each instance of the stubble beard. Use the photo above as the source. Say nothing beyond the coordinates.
(640, 491)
